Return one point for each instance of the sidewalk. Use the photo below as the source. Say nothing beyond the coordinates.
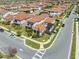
(77, 42)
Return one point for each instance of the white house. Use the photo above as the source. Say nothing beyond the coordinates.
(56, 11)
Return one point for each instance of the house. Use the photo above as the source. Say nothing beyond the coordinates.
(57, 10)
(44, 25)
(49, 22)
(39, 28)
(37, 18)
(18, 17)
(37, 6)
(28, 10)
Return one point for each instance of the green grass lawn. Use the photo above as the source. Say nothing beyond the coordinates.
(73, 49)
(32, 44)
(42, 38)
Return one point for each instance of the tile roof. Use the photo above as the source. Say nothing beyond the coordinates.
(2, 10)
(39, 27)
(39, 17)
(9, 17)
(57, 8)
(49, 20)
(23, 9)
(18, 16)
(21, 16)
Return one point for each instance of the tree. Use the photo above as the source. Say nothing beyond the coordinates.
(11, 51)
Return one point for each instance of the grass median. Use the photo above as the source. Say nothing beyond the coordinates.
(73, 49)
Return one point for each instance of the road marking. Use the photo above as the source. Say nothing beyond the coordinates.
(69, 54)
(39, 54)
(21, 49)
(18, 57)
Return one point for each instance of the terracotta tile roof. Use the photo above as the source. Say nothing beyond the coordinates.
(18, 16)
(21, 16)
(39, 27)
(39, 17)
(23, 9)
(2, 10)
(9, 17)
(57, 8)
(49, 20)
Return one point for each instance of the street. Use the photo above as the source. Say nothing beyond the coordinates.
(61, 47)
(22, 51)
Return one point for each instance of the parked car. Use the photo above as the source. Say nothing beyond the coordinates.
(1, 30)
(63, 25)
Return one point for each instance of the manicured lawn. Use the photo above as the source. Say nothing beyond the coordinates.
(42, 38)
(32, 44)
(73, 49)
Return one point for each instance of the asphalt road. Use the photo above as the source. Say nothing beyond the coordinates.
(61, 47)
(23, 51)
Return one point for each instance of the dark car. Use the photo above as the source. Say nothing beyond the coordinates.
(1, 30)
(74, 13)
(63, 25)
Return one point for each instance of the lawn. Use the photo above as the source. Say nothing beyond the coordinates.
(25, 31)
(32, 44)
(73, 49)
(43, 38)
(16, 28)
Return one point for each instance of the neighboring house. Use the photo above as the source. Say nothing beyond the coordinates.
(37, 6)
(18, 17)
(28, 10)
(37, 18)
(56, 11)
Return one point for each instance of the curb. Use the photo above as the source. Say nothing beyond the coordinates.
(18, 57)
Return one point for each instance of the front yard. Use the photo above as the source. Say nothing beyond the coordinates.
(28, 32)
